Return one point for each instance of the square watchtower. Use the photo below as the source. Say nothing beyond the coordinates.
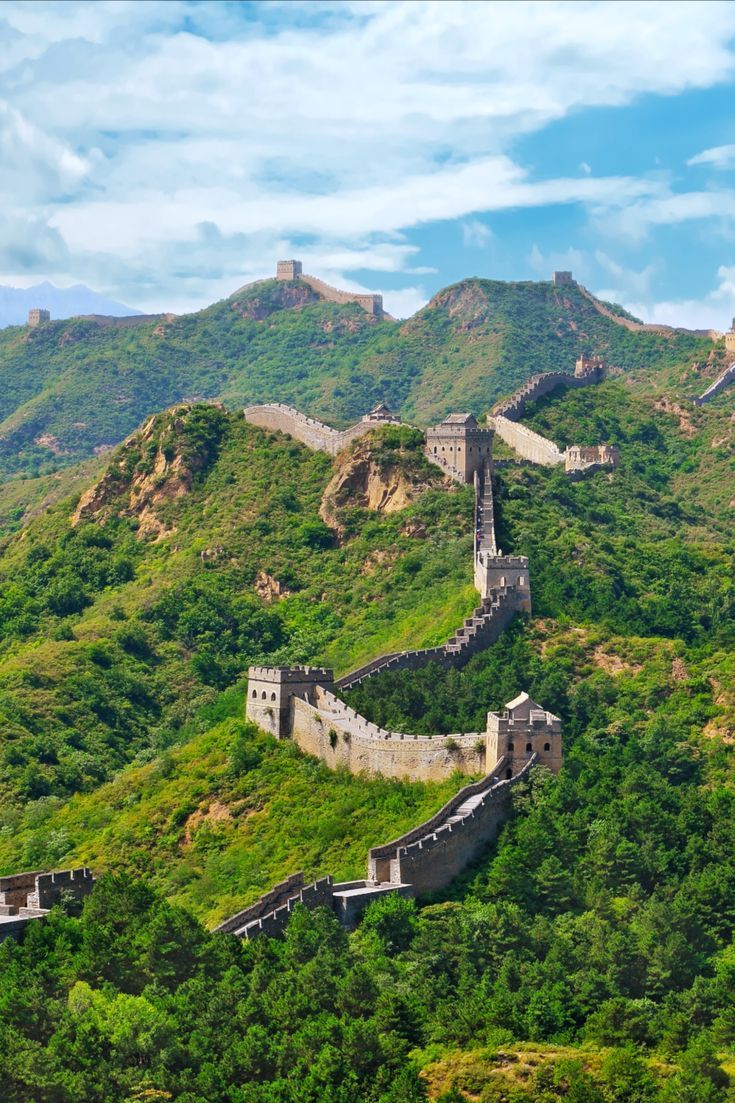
(523, 728)
(288, 270)
(271, 689)
(460, 446)
(730, 338)
(37, 315)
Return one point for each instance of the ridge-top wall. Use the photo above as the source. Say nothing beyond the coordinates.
(532, 446)
(278, 417)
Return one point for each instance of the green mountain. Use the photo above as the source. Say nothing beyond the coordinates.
(588, 955)
(70, 390)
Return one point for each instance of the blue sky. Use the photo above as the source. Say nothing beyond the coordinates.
(167, 153)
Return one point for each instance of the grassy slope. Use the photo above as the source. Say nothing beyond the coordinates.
(472, 343)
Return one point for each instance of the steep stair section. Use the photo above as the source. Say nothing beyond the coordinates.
(478, 631)
(431, 855)
(485, 511)
(723, 380)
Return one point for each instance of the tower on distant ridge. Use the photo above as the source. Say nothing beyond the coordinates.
(288, 270)
(563, 278)
(730, 338)
(38, 315)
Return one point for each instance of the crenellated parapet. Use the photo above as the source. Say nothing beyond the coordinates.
(370, 302)
(281, 418)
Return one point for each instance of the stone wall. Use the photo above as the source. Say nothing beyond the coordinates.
(280, 418)
(532, 446)
(268, 902)
(430, 863)
(371, 303)
(484, 627)
(340, 737)
(723, 380)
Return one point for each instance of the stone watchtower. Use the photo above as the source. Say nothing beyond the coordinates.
(271, 690)
(563, 279)
(520, 730)
(730, 338)
(38, 315)
(460, 446)
(591, 368)
(288, 270)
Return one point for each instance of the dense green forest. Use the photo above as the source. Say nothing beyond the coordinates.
(274, 341)
(586, 957)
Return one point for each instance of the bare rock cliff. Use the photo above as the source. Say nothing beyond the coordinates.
(363, 479)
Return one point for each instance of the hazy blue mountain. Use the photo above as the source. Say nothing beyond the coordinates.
(63, 302)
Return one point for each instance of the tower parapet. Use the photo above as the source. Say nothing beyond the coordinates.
(271, 690)
(730, 338)
(521, 730)
(460, 446)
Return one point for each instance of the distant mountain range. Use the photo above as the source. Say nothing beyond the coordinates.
(63, 302)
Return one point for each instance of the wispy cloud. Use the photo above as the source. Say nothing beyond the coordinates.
(165, 149)
(719, 157)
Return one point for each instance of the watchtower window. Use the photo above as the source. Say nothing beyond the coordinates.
(273, 696)
(529, 747)
(509, 773)
(547, 746)
(511, 746)
(264, 695)
(255, 693)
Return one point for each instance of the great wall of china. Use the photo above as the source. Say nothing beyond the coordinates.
(300, 703)
(370, 302)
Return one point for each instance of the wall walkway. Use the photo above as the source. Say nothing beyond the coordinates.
(423, 860)
(723, 380)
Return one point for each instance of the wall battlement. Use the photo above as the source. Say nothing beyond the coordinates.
(28, 896)
(423, 860)
(370, 302)
(280, 418)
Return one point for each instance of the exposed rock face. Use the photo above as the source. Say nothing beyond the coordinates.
(284, 296)
(269, 589)
(361, 480)
(149, 471)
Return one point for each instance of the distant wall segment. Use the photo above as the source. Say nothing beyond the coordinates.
(281, 418)
(370, 302)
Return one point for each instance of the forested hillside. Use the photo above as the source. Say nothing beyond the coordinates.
(587, 956)
(275, 341)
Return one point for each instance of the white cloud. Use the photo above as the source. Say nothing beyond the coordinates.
(720, 157)
(714, 310)
(191, 141)
(476, 234)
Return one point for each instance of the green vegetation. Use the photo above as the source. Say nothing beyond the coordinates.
(588, 955)
(278, 342)
(117, 629)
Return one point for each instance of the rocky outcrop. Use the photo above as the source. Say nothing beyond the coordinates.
(362, 480)
(152, 468)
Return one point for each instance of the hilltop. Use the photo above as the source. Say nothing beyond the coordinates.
(280, 340)
(588, 949)
(602, 918)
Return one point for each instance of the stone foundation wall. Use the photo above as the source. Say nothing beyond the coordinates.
(340, 737)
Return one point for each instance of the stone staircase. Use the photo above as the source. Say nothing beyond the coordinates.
(480, 629)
